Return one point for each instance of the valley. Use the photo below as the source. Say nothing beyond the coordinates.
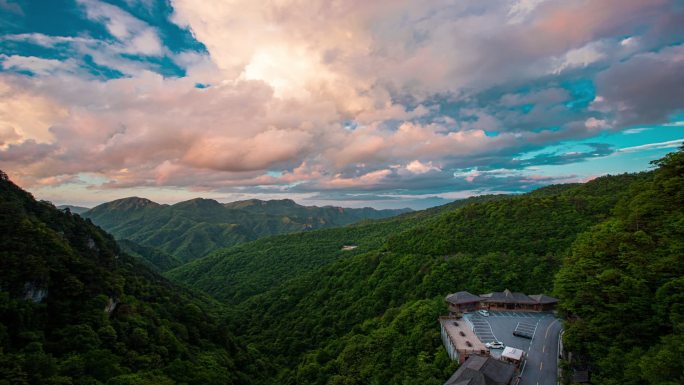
(300, 309)
(289, 192)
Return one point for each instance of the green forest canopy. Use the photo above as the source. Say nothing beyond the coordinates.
(299, 310)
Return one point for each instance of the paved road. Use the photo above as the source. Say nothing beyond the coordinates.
(542, 351)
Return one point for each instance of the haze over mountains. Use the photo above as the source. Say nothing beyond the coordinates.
(74, 209)
(189, 230)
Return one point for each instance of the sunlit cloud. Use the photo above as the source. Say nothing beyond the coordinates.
(337, 98)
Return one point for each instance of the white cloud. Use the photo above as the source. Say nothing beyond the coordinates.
(521, 9)
(136, 36)
(325, 93)
(637, 130)
(596, 124)
(36, 65)
(580, 57)
(654, 146)
(417, 167)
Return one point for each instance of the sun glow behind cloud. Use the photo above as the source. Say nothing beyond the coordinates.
(285, 69)
(332, 99)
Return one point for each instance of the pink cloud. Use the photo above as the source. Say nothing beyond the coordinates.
(283, 79)
(245, 154)
(368, 180)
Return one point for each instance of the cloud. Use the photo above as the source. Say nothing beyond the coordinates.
(26, 115)
(521, 9)
(136, 36)
(36, 65)
(10, 6)
(417, 167)
(646, 89)
(49, 41)
(369, 180)
(392, 95)
(27, 152)
(654, 146)
(264, 150)
(580, 57)
(637, 130)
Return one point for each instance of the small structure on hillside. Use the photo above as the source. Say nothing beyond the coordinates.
(544, 302)
(463, 301)
(513, 355)
(459, 340)
(507, 300)
(348, 247)
(481, 370)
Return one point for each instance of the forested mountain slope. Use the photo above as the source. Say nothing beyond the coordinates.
(369, 315)
(312, 313)
(233, 275)
(622, 286)
(74, 309)
(191, 229)
(152, 257)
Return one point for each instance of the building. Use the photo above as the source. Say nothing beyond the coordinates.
(544, 302)
(481, 370)
(507, 300)
(513, 355)
(463, 301)
(459, 340)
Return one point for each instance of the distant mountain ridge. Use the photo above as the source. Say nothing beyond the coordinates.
(74, 209)
(191, 229)
(367, 315)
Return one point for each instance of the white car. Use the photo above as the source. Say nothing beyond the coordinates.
(483, 313)
(495, 345)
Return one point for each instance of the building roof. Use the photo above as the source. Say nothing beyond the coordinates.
(462, 336)
(543, 299)
(512, 353)
(507, 296)
(479, 370)
(462, 297)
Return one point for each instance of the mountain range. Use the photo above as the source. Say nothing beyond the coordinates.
(610, 249)
(356, 304)
(191, 229)
(73, 209)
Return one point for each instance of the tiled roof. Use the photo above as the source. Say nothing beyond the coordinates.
(543, 298)
(507, 296)
(479, 370)
(462, 297)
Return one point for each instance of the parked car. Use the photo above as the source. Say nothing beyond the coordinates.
(522, 334)
(484, 313)
(495, 345)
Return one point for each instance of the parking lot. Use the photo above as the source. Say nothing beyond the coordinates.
(541, 348)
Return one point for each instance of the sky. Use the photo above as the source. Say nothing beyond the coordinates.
(383, 103)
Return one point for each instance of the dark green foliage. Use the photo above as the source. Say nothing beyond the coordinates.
(365, 316)
(622, 284)
(235, 274)
(540, 223)
(75, 310)
(151, 256)
(368, 316)
(191, 229)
